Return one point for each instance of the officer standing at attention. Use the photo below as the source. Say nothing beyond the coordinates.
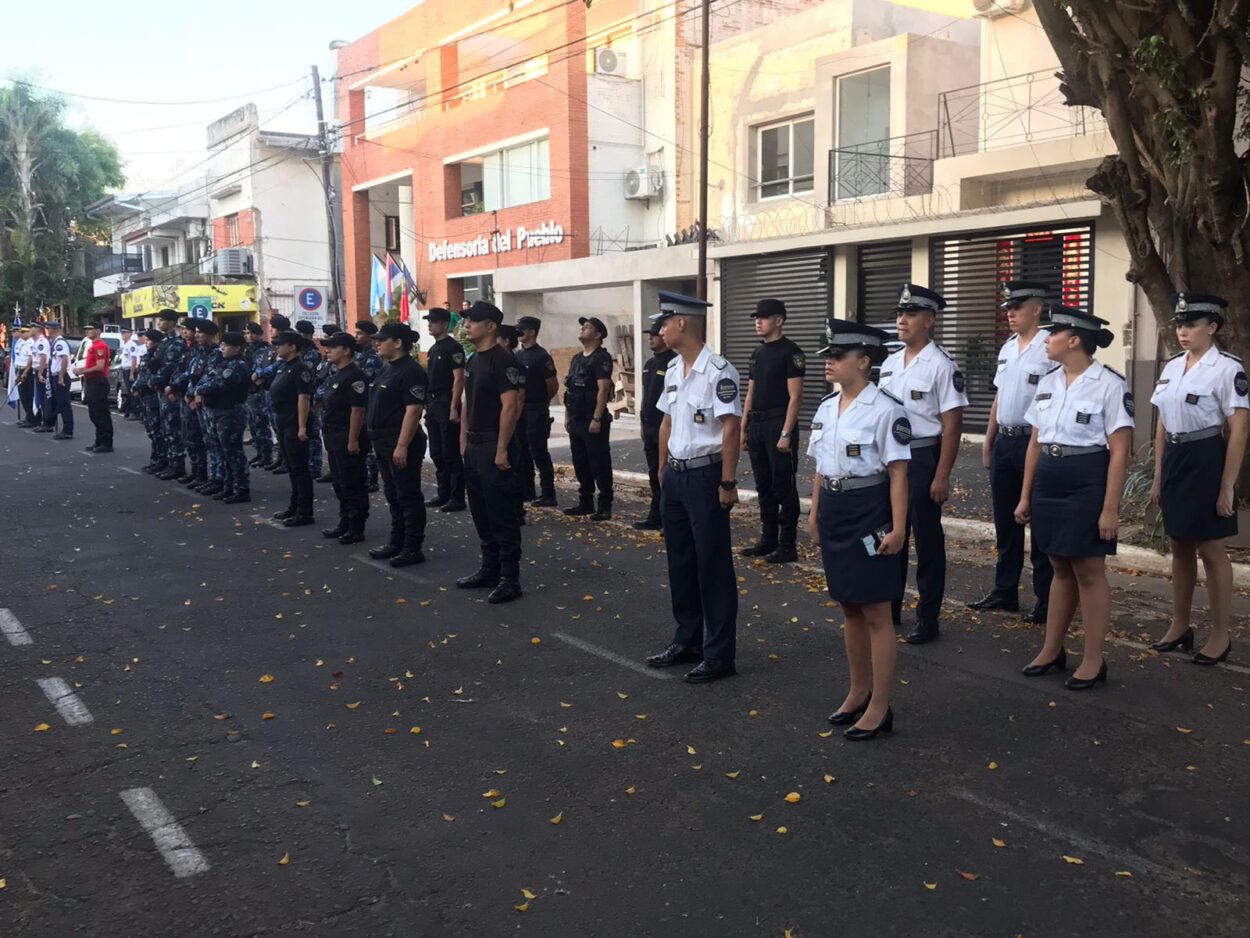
(322, 374)
(206, 335)
(1021, 365)
(860, 438)
(194, 365)
(150, 402)
(260, 356)
(22, 350)
(699, 449)
(396, 401)
(291, 396)
(277, 323)
(445, 360)
(534, 429)
(168, 363)
(95, 389)
(59, 378)
(346, 399)
(650, 417)
(312, 357)
(370, 363)
(930, 385)
(770, 432)
(1082, 418)
(492, 405)
(126, 358)
(223, 393)
(1201, 396)
(40, 358)
(587, 387)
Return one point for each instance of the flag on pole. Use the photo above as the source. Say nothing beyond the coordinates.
(379, 295)
(13, 393)
(410, 291)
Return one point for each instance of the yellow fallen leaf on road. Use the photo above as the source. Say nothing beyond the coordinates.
(565, 705)
(793, 798)
(536, 640)
(1183, 729)
(527, 894)
(640, 716)
(930, 886)
(302, 804)
(115, 732)
(970, 877)
(415, 730)
(42, 727)
(618, 744)
(221, 716)
(783, 830)
(4, 884)
(697, 767)
(558, 818)
(458, 691)
(266, 679)
(623, 696)
(266, 715)
(588, 598)
(353, 706)
(286, 859)
(829, 779)
(757, 817)
(493, 793)
(255, 764)
(733, 774)
(690, 751)
(1123, 873)
(630, 790)
(448, 817)
(500, 803)
(1075, 861)
(992, 766)
(523, 907)
(753, 713)
(998, 843)
(376, 780)
(826, 734)
(320, 663)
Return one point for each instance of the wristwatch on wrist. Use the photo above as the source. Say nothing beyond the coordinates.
(785, 434)
(596, 420)
(730, 485)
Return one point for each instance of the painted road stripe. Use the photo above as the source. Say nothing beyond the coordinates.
(582, 645)
(13, 630)
(385, 567)
(269, 521)
(171, 840)
(67, 703)
(133, 472)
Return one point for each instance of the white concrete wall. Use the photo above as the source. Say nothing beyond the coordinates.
(291, 230)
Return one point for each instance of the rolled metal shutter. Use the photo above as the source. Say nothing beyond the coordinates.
(803, 280)
(883, 269)
(968, 270)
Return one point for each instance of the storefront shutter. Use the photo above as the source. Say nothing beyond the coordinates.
(968, 270)
(883, 269)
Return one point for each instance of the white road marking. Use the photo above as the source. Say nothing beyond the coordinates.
(133, 472)
(67, 703)
(269, 521)
(387, 568)
(583, 645)
(171, 840)
(13, 630)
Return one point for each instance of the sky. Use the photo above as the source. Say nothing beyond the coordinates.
(225, 53)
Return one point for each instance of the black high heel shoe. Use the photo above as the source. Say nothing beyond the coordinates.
(1186, 641)
(1085, 683)
(1060, 663)
(1207, 661)
(843, 717)
(855, 734)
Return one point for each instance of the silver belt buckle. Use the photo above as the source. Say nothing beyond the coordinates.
(835, 485)
(1174, 437)
(1055, 449)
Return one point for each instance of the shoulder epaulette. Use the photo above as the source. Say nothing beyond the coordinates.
(828, 397)
(719, 362)
(1176, 356)
(1053, 370)
(890, 396)
(1116, 373)
(943, 351)
(1230, 355)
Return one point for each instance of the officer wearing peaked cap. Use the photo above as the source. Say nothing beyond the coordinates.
(535, 424)
(930, 385)
(700, 440)
(1022, 363)
(860, 440)
(445, 359)
(347, 441)
(1201, 396)
(587, 390)
(653, 373)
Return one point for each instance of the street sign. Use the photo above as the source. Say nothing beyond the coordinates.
(200, 307)
(311, 300)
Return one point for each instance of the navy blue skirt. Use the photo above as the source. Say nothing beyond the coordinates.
(852, 574)
(1067, 499)
(1190, 485)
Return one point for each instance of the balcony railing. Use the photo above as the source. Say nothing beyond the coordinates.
(1008, 112)
(106, 265)
(172, 273)
(897, 166)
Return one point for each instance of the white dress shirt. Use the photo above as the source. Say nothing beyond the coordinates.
(872, 433)
(929, 386)
(1205, 395)
(39, 348)
(1018, 375)
(129, 353)
(21, 353)
(61, 354)
(695, 403)
(1086, 413)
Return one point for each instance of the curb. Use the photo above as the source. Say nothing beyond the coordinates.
(1127, 559)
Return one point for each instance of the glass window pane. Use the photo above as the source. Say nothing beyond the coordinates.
(492, 182)
(863, 131)
(804, 144)
(542, 169)
(774, 158)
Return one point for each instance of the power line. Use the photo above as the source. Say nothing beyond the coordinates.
(88, 97)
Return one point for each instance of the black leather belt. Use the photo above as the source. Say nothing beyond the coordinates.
(767, 414)
(1193, 436)
(697, 462)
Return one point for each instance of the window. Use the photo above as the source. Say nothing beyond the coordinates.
(164, 257)
(506, 178)
(391, 224)
(232, 230)
(479, 288)
(786, 156)
(863, 146)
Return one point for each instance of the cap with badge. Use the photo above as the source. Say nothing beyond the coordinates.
(843, 334)
(481, 311)
(1069, 317)
(529, 322)
(339, 340)
(1017, 292)
(438, 314)
(1190, 307)
(233, 338)
(96, 324)
(596, 322)
(913, 298)
(678, 304)
(767, 308)
(367, 326)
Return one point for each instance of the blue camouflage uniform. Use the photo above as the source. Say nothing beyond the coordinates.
(168, 364)
(260, 356)
(189, 373)
(212, 443)
(312, 357)
(225, 389)
(150, 411)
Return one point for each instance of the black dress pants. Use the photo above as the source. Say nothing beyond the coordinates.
(295, 452)
(95, 394)
(1006, 481)
(532, 432)
(495, 503)
(402, 487)
(924, 520)
(775, 476)
(350, 487)
(444, 440)
(59, 406)
(651, 450)
(592, 458)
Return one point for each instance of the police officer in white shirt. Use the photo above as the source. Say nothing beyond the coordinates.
(59, 378)
(1082, 418)
(127, 357)
(24, 376)
(1200, 442)
(930, 385)
(860, 439)
(40, 359)
(699, 450)
(1021, 364)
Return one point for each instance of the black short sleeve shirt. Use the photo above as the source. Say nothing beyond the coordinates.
(537, 366)
(653, 386)
(292, 379)
(400, 385)
(445, 356)
(581, 384)
(772, 365)
(345, 388)
(487, 376)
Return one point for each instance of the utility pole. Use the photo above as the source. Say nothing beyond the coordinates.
(323, 145)
(704, 134)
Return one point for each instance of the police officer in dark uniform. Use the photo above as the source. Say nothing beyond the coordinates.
(206, 336)
(312, 357)
(445, 359)
(346, 399)
(535, 427)
(194, 364)
(260, 355)
(770, 432)
(277, 323)
(587, 389)
(322, 374)
(396, 402)
(223, 393)
(149, 402)
(370, 363)
(291, 396)
(699, 449)
(492, 404)
(166, 364)
(650, 417)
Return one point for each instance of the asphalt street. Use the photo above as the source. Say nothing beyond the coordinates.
(217, 726)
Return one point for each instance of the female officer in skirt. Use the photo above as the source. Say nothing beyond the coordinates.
(1199, 446)
(860, 439)
(1082, 417)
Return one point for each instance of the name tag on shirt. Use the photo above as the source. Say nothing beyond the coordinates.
(1191, 398)
(1082, 418)
(1034, 379)
(852, 449)
(1044, 397)
(917, 395)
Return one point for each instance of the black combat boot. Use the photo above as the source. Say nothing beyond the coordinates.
(484, 577)
(604, 511)
(584, 506)
(337, 531)
(173, 471)
(509, 588)
(239, 497)
(393, 549)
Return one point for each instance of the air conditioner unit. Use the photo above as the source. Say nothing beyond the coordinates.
(641, 184)
(233, 262)
(991, 9)
(609, 62)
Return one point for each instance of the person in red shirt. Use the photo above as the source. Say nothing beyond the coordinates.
(95, 389)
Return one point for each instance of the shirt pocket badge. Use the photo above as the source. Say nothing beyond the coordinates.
(1088, 412)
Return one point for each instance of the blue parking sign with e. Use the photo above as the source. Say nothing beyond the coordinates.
(310, 299)
(200, 307)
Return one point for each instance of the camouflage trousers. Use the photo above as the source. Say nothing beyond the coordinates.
(212, 446)
(150, 409)
(315, 448)
(228, 424)
(259, 426)
(171, 429)
(192, 438)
